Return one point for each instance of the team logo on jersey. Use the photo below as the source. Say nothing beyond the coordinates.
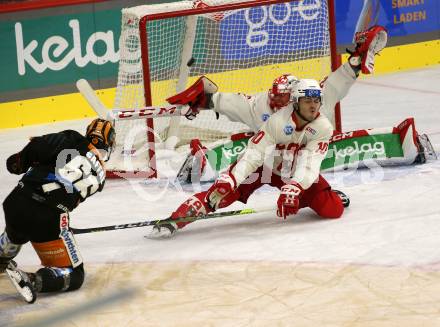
(288, 129)
(311, 130)
(265, 117)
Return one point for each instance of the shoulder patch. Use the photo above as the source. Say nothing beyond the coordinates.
(311, 130)
(288, 129)
(265, 116)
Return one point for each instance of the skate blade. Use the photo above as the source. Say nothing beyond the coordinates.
(23, 288)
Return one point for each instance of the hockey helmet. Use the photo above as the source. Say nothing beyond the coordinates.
(102, 135)
(307, 88)
(284, 84)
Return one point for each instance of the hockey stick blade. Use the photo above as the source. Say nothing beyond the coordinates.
(161, 221)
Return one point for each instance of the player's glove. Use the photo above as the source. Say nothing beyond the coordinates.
(13, 164)
(288, 201)
(368, 44)
(221, 192)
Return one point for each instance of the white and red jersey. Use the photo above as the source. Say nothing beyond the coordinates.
(251, 110)
(293, 153)
(254, 110)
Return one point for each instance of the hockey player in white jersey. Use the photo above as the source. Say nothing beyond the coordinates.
(288, 148)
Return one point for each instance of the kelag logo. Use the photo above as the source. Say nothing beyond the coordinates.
(274, 30)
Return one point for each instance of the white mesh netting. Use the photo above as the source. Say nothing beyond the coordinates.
(242, 51)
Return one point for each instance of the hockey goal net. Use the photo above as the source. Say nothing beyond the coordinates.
(240, 45)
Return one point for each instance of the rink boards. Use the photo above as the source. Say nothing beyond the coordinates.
(72, 106)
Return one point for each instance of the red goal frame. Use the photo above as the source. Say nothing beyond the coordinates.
(143, 33)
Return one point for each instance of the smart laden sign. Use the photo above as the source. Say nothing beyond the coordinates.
(57, 52)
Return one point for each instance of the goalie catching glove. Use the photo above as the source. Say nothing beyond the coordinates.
(196, 96)
(288, 201)
(368, 44)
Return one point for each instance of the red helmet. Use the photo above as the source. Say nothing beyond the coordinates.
(284, 84)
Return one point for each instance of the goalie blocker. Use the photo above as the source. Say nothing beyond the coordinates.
(197, 96)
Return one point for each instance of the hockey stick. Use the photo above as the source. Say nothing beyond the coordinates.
(120, 114)
(161, 221)
(92, 99)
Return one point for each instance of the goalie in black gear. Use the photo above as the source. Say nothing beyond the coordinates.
(60, 171)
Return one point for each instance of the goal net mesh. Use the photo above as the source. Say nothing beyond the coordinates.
(241, 50)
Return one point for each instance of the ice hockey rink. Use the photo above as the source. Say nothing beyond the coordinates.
(379, 265)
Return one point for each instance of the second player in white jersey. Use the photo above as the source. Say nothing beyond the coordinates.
(287, 150)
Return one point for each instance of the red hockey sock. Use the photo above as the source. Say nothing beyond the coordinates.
(194, 206)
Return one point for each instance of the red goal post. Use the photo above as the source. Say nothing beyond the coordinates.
(160, 43)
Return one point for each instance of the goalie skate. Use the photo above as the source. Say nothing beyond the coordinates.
(22, 282)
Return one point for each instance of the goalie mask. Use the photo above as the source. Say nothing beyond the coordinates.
(281, 93)
(102, 135)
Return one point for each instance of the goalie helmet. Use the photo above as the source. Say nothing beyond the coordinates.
(102, 135)
(284, 84)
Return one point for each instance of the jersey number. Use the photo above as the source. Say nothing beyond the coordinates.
(77, 174)
(322, 147)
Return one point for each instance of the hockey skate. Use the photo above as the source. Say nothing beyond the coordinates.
(163, 230)
(4, 263)
(23, 282)
(344, 198)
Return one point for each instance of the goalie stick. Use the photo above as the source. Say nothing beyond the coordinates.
(120, 114)
(89, 94)
(162, 221)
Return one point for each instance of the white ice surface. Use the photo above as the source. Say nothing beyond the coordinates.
(394, 217)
